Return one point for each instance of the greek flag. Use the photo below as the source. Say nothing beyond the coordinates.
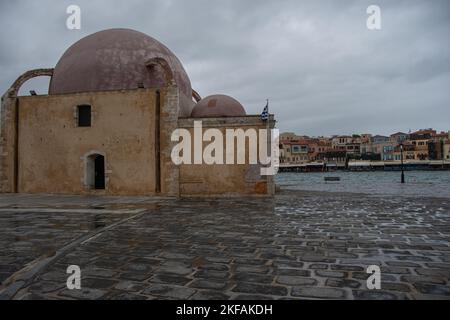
(265, 113)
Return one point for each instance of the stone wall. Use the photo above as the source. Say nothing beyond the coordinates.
(52, 149)
(8, 126)
(225, 179)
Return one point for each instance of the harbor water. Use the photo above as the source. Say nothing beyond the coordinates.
(418, 183)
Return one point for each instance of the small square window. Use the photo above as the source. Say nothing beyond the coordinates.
(84, 115)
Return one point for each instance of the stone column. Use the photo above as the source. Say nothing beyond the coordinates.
(170, 173)
(8, 143)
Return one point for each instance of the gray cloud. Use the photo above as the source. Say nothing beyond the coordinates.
(323, 71)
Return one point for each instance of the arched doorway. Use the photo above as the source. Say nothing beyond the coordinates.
(95, 172)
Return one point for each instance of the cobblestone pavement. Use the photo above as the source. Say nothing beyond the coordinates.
(299, 245)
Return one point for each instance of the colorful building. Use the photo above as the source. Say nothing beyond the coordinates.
(424, 144)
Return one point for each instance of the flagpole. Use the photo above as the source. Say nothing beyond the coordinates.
(269, 143)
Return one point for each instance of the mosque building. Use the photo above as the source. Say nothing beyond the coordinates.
(105, 127)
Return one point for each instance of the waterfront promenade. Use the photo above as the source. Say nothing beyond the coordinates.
(356, 165)
(299, 245)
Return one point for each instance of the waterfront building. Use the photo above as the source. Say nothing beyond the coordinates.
(294, 151)
(289, 136)
(447, 149)
(420, 140)
(399, 137)
(353, 149)
(319, 148)
(339, 142)
(115, 99)
(379, 139)
(436, 146)
(409, 152)
(366, 148)
(366, 138)
(388, 152)
(379, 142)
(421, 145)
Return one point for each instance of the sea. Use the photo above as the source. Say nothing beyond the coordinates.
(417, 183)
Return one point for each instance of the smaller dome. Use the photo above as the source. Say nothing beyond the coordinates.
(218, 105)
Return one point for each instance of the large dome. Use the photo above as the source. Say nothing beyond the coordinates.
(218, 105)
(115, 59)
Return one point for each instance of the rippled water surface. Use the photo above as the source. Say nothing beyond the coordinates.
(418, 183)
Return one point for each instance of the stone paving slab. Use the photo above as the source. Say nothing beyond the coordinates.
(299, 245)
(27, 235)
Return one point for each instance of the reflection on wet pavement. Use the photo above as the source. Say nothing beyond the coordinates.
(298, 245)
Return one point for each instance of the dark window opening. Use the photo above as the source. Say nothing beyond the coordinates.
(84, 116)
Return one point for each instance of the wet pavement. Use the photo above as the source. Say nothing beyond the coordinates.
(299, 245)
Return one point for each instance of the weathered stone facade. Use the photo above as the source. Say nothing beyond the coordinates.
(44, 149)
(53, 150)
(225, 179)
(8, 134)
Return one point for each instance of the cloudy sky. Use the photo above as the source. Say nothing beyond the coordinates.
(322, 69)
